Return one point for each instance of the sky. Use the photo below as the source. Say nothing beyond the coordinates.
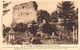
(49, 6)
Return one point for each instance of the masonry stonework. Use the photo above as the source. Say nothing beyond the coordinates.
(25, 12)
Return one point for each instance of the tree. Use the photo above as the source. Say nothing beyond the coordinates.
(5, 11)
(47, 28)
(33, 28)
(43, 15)
(6, 30)
(75, 19)
(54, 16)
(66, 12)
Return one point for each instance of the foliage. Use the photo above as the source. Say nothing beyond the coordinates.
(36, 41)
(5, 11)
(43, 15)
(47, 28)
(67, 13)
(54, 16)
(6, 30)
(33, 28)
(21, 27)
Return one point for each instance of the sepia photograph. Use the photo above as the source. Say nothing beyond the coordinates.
(40, 22)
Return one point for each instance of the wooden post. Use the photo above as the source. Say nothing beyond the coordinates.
(73, 34)
(9, 37)
(53, 37)
(76, 35)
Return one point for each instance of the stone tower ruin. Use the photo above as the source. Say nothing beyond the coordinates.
(25, 12)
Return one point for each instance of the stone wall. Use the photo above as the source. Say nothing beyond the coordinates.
(25, 12)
